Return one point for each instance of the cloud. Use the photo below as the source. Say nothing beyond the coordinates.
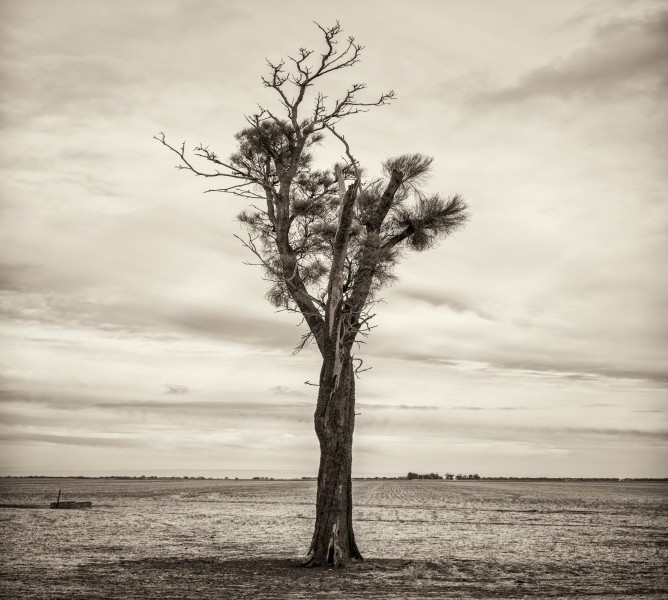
(13, 275)
(134, 317)
(88, 400)
(366, 406)
(437, 299)
(623, 56)
(85, 397)
(73, 440)
(620, 434)
(577, 372)
(211, 414)
(550, 367)
(175, 388)
(283, 390)
(486, 408)
(544, 433)
(104, 60)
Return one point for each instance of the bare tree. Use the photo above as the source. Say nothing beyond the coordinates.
(327, 241)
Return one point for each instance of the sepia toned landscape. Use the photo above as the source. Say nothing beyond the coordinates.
(422, 539)
(317, 300)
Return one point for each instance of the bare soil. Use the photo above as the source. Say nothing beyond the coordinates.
(421, 539)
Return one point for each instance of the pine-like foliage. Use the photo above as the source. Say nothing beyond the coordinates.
(414, 220)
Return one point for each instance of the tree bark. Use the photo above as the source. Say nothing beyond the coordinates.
(333, 538)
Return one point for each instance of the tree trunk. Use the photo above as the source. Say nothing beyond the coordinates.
(333, 538)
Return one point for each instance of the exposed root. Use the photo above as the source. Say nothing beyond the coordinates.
(334, 558)
(309, 564)
(308, 560)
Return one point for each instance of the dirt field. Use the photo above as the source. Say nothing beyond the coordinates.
(421, 539)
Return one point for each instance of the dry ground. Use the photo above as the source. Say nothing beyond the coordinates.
(422, 539)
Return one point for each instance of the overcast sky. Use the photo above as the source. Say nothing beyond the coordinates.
(531, 343)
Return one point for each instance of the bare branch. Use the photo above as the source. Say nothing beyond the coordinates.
(358, 369)
(354, 163)
(202, 152)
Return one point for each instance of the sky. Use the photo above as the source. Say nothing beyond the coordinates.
(532, 343)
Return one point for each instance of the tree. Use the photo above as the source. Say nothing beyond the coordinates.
(327, 241)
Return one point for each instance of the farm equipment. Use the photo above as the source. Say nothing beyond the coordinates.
(59, 504)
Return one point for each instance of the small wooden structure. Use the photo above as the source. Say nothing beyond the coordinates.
(59, 504)
(71, 505)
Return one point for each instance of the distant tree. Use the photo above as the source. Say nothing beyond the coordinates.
(327, 241)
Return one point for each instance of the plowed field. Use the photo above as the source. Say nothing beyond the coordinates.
(421, 539)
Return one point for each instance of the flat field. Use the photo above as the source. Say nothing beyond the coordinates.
(421, 539)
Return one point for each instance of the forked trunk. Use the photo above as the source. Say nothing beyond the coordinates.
(333, 538)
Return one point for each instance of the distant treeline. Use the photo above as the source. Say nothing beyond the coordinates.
(575, 478)
(140, 477)
(410, 476)
(437, 476)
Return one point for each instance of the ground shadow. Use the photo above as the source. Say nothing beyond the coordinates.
(209, 577)
(283, 578)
